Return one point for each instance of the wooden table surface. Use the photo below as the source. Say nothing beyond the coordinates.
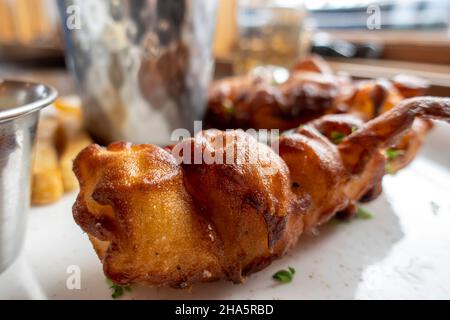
(438, 75)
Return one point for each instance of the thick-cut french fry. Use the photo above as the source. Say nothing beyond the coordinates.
(71, 138)
(47, 185)
(60, 138)
(68, 113)
(73, 146)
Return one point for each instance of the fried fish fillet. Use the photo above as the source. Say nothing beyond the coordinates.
(162, 227)
(375, 97)
(255, 101)
(162, 217)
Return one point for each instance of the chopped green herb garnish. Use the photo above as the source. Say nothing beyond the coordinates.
(434, 207)
(363, 214)
(284, 276)
(354, 129)
(117, 291)
(392, 154)
(390, 169)
(337, 137)
(229, 107)
(292, 270)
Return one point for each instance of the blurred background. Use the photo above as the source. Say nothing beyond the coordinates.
(363, 38)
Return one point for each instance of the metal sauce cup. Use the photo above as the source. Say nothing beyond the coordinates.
(20, 103)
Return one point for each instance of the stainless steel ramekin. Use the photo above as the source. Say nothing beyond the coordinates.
(20, 103)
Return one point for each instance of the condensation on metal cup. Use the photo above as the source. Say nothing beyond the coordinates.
(20, 103)
(143, 67)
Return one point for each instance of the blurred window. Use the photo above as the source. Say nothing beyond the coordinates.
(395, 14)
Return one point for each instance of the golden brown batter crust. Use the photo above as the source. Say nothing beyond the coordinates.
(155, 221)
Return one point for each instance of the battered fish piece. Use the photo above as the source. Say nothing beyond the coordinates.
(312, 90)
(144, 225)
(247, 199)
(158, 216)
(254, 101)
(375, 97)
(152, 220)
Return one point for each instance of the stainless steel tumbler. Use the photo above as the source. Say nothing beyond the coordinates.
(143, 67)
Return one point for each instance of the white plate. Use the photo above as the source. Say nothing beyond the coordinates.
(403, 252)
